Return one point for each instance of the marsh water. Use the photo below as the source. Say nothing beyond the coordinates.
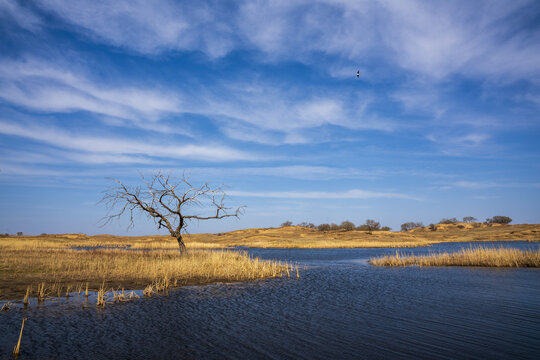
(340, 308)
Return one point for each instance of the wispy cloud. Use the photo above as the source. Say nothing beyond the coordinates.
(122, 146)
(252, 112)
(491, 184)
(25, 18)
(465, 144)
(349, 194)
(434, 39)
(153, 27)
(49, 87)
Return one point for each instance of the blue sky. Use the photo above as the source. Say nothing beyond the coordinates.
(262, 96)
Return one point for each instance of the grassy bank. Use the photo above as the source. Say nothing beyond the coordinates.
(34, 262)
(487, 257)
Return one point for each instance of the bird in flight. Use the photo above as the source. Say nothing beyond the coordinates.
(358, 74)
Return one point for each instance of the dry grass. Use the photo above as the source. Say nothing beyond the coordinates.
(488, 257)
(56, 271)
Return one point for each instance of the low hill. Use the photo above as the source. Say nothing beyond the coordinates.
(300, 237)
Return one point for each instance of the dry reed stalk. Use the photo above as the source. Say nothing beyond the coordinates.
(148, 290)
(5, 307)
(26, 299)
(41, 292)
(17, 347)
(68, 289)
(297, 273)
(86, 291)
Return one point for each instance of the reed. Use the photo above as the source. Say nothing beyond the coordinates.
(26, 299)
(17, 347)
(100, 301)
(41, 292)
(480, 256)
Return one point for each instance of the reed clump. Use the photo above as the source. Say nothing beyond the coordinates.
(100, 300)
(480, 256)
(56, 270)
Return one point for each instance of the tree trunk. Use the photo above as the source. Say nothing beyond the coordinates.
(181, 244)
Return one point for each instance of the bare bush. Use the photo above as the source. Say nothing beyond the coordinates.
(411, 225)
(324, 227)
(334, 227)
(373, 225)
(448, 221)
(499, 220)
(347, 225)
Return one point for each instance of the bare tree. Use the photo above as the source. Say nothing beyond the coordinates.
(170, 202)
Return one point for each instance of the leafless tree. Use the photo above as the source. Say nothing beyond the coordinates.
(171, 203)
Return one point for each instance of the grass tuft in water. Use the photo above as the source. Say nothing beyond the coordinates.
(480, 256)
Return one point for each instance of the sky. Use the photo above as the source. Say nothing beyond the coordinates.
(263, 98)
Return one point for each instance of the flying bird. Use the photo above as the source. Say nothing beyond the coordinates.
(358, 74)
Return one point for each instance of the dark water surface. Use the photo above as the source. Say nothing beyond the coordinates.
(341, 308)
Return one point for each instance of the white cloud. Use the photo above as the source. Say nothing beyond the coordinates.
(349, 194)
(457, 143)
(25, 18)
(491, 184)
(122, 146)
(257, 112)
(49, 87)
(150, 27)
(433, 39)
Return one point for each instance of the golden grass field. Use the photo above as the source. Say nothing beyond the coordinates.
(488, 257)
(29, 260)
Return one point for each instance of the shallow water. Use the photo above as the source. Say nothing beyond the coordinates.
(340, 308)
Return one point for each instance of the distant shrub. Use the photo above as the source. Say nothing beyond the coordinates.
(432, 227)
(461, 227)
(19, 233)
(448, 221)
(363, 228)
(334, 227)
(469, 219)
(324, 227)
(286, 223)
(411, 225)
(499, 220)
(43, 234)
(373, 225)
(386, 228)
(347, 225)
(307, 225)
